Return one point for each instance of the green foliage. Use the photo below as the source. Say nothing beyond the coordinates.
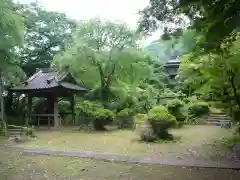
(161, 120)
(88, 108)
(96, 112)
(29, 131)
(45, 36)
(3, 130)
(127, 112)
(217, 22)
(11, 38)
(104, 114)
(232, 141)
(64, 106)
(198, 109)
(102, 118)
(104, 56)
(175, 108)
(125, 118)
(174, 105)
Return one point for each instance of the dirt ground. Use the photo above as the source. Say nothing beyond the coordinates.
(19, 166)
(191, 142)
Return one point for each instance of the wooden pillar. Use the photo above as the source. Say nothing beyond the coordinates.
(73, 108)
(56, 113)
(29, 118)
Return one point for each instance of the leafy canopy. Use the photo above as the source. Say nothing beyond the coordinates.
(45, 35)
(217, 21)
(105, 55)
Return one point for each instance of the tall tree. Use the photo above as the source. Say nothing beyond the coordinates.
(46, 34)
(218, 21)
(11, 33)
(104, 53)
(214, 75)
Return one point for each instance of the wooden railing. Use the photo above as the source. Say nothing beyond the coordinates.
(49, 117)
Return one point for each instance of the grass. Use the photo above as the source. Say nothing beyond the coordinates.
(195, 142)
(17, 165)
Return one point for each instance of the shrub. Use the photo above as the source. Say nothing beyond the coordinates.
(102, 117)
(161, 120)
(64, 106)
(98, 115)
(198, 109)
(3, 133)
(232, 141)
(29, 131)
(124, 117)
(88, 108)
(174, 107)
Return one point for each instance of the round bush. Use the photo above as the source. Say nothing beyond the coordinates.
(161, 120)
(64, 106)
(124, 118)
(198, 109)
(174, 107)
(102, 117)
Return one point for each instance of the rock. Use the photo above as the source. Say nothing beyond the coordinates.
(236, 149)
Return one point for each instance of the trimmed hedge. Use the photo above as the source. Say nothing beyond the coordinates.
(161, 120)
(125, 118)
(174, 107)
(97, 113)
(198, 109)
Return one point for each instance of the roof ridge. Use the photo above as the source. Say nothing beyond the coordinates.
(34, 76)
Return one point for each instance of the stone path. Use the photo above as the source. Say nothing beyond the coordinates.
(128, 159)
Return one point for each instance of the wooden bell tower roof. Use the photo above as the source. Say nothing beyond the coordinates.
(48, 80)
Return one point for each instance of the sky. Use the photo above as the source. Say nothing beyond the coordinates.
(123, 10)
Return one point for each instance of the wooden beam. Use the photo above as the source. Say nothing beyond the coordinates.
(73, 108)
(56, 113)
(29, 118)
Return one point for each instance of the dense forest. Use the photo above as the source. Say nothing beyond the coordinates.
(125, 79)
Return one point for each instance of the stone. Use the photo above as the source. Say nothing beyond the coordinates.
(236, 149)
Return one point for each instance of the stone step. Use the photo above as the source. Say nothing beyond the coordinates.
(213, 123)
(15, 132)
(12, 130)
(219, 119)
(218, 114)
(216, 119)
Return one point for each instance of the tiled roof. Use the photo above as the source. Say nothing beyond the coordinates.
(46, 80)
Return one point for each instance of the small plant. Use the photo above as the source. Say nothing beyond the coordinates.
(102, 118)
(29, 131)
(232, 141)
(161, 120)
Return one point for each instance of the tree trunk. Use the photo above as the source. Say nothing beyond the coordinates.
(2, 104)
(232, 76)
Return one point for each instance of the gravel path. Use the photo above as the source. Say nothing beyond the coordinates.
(119, 158)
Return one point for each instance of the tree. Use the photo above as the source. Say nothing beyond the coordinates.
(105, 56)
(11, 33)
(214, 75)
(45, 36)
(217, 21)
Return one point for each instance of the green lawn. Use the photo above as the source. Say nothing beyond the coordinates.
(19, 166)
(196, 142)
